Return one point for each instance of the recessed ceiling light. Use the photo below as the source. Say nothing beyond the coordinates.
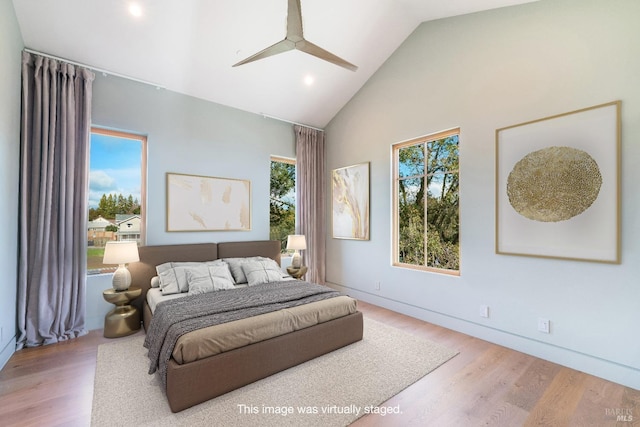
(308, 80)
(135, 9)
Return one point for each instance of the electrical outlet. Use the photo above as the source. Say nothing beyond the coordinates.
(377, 286)
(544, 326)
(484, 311)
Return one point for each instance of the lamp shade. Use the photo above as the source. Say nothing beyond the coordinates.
(120, 252)
(296, 242)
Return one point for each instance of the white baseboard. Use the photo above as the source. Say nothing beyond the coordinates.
(7, 351)
(609, 370)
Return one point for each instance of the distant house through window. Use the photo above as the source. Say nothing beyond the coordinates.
(282, 199)
(116, 192)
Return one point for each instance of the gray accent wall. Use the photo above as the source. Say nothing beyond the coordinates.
(191, 136)
(11, 45)
(481, 72)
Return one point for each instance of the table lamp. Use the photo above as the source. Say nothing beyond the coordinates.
(121, 253)
(297, 242)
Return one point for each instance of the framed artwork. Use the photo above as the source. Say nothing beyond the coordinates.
(558, 186)
(350, 202)
(204, 203)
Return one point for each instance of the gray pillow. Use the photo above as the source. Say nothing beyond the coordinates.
(209, 279)
(173, 275)
(235, 265)
(259, 272)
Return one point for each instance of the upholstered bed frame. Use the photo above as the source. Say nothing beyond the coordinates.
(197, 382)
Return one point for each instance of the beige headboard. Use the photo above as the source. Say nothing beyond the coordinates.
(265, 248)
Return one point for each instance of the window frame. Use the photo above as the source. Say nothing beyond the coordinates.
(289, 161)
(143, 179)
(281, 159)
(395, 179)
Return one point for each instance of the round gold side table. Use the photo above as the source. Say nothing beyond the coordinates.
(124, 319)
(297, 273)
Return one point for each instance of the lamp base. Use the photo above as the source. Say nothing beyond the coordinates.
(296, 260)
(121, 279)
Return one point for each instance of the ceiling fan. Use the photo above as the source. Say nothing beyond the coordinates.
(295, 40)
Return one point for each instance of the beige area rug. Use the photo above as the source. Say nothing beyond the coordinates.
(332, 390)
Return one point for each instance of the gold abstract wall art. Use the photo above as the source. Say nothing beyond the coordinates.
(350, 202)
(554, 184)
(558, 186)
(202, 203)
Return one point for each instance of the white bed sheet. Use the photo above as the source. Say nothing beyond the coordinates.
(155, 296)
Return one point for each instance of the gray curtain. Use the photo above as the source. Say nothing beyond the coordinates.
(56, 119)
(310, 196)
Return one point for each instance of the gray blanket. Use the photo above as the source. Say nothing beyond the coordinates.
(176, 317)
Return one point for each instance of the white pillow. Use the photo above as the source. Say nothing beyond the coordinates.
(173, 280)
(155, 282)
(209, 279)
(273, 263)
(172, 264)
(173, 276)
(259, 272)
(235, 265)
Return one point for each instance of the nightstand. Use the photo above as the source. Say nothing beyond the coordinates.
(124, 319)
(297, 273)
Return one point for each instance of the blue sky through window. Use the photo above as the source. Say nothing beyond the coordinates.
(115, 167)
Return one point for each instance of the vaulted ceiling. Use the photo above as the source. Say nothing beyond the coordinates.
(189, 46)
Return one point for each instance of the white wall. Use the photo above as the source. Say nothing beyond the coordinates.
(10, 67)
(188, 135)
(482, 72)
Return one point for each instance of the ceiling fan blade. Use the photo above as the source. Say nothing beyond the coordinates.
(295, 40)
(294, 21)
(280, 47)
(317, 51)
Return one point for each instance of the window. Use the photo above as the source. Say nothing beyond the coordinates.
(117, 171)
(426, 219)
(282, 200)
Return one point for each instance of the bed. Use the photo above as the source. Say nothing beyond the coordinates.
(193, 381)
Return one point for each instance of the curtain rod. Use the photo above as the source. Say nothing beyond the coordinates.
(157, 86)
(99, 70)
(266, 116)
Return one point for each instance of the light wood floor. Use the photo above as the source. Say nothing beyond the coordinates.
(484, 385)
